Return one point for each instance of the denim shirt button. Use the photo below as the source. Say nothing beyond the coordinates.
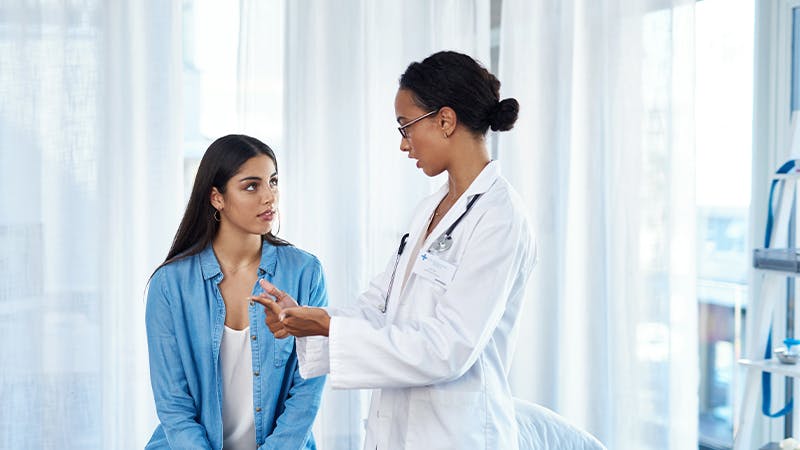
(258, 409)
(252, 303)
(256, 373)
(253, 337)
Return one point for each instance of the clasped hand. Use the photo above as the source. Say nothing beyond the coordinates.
(285, 317)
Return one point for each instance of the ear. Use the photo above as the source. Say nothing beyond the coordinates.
(216, 199)
(447, 120)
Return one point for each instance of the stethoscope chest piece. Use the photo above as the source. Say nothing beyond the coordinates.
(442, 244)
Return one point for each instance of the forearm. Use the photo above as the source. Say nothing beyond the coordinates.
(178, 414)
(175, 405)
(188, 435)
(416, 353)
(293, 426)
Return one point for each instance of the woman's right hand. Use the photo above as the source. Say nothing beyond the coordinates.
(274, 304)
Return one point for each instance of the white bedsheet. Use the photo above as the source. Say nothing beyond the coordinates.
(542, 429)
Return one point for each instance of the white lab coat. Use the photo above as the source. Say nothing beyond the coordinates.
(438, 359)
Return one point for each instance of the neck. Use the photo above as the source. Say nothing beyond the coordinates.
(463, 171)
(238, 250)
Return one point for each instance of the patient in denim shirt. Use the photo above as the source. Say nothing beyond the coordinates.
(219, 377)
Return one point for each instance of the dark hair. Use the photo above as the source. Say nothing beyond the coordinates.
(221, 161)
(456, 80)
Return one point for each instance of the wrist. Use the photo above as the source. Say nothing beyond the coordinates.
(326, 324)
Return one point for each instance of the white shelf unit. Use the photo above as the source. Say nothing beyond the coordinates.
(751, 402)
(775, 301)
(773, 366)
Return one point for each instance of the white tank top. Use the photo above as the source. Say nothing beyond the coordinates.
(238, 421)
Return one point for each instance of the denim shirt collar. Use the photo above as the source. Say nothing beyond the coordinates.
(210, 265)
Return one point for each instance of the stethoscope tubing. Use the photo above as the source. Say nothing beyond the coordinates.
(394, 271)
(444, 238)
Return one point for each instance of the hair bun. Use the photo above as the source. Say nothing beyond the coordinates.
(504, 115)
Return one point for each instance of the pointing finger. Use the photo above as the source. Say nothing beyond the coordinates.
(271, 289)
(263, 300)
(269, 305)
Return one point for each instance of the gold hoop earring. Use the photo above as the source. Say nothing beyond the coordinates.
(216, 215)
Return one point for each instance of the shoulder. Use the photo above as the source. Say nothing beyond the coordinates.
(177, 268)
(506, 213)
(173, 274)
(292, 256)
(504, 201)
(299, 273)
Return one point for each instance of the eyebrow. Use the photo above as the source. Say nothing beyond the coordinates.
(254, 178)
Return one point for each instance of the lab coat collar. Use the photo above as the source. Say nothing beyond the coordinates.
(479, 185)
(209, 264)
(484, 180)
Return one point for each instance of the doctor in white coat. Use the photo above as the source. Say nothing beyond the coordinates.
(435, 332)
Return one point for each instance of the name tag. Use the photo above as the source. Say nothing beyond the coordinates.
(435, 269)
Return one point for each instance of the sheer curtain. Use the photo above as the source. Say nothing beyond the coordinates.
(90, 191)
(603, 153)
(91, 183)
(348, 191)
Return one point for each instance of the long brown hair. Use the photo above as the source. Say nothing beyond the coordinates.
(221, 161)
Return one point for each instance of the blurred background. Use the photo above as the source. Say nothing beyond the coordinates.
(647, 132)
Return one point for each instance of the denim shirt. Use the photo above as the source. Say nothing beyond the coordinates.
(185, 317)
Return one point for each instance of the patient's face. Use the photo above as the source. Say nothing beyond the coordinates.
(250, 201)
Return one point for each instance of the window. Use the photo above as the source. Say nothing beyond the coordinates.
(209, 78)
(233, 77)
(723, 114)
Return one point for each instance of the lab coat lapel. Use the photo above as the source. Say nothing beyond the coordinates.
(418, 226)
(479, 185)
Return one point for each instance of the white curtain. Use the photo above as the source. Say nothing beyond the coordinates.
(259, 83)
(603, 153)
(91, 191)
(90, 182)
(348, 191)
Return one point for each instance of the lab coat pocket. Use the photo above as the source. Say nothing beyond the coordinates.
(457, 416)
(283, 350)
(425, 295)
(436, 290)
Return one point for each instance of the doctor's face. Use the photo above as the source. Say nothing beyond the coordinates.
(250, 202)
(423, 138)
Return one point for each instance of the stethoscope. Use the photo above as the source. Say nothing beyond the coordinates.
(440, 245)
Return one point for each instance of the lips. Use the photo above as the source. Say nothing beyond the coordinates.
(267, 215)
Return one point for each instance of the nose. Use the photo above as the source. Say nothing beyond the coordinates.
(269, 196)
(404, 145)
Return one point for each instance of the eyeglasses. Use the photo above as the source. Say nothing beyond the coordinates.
(402, 129)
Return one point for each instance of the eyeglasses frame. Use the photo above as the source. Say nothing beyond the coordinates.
(402, 128)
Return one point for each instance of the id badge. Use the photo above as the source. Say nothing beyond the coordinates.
(435, 269)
